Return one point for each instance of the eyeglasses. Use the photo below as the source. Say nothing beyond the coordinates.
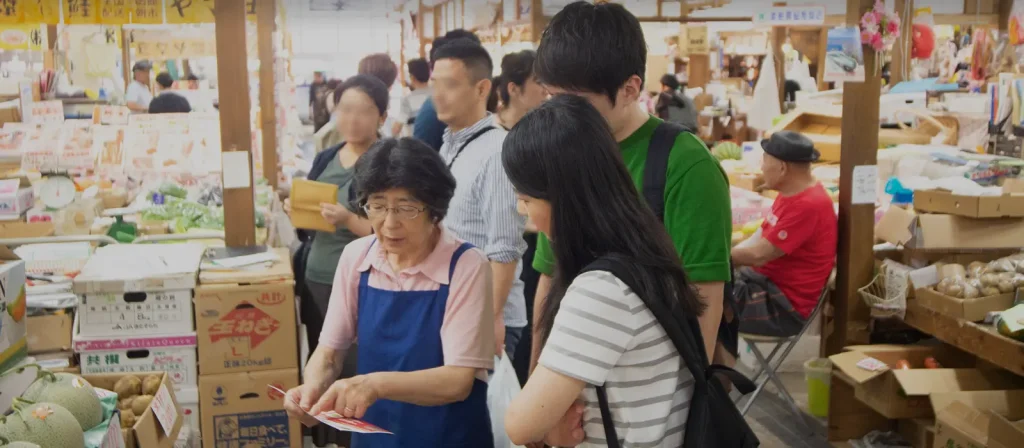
(403, 212)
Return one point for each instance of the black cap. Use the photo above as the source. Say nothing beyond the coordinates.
(142, 65)
(789, 146)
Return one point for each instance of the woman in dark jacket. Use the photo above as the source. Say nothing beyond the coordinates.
(361, 110)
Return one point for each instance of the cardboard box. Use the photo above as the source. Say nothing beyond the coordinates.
(49, 333)
(246, 328)
(13, 310)
(174, 354)
(246, 319)
(973, 310)
(899, 394)
(903, 227)
(57, 361)
(21, 229)
(15, 197)
(148, 431)
(942, 201)
(918, 431)
(128, 289)
(980, 419)
(238, 410)
(747, 181)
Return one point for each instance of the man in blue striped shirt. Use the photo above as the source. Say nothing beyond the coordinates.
(483, 210)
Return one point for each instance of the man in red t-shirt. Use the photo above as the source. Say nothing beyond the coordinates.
(782, 270)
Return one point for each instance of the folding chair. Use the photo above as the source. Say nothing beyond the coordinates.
(768, 365)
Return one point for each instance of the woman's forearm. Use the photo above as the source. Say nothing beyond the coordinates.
(324, 367)
(431, 387)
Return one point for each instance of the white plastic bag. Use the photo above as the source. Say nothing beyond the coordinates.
(503, 387)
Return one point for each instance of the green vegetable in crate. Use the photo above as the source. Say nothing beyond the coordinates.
(727, 151)
(44, 424)
(173, 189)
(71, 391)
(157, 213)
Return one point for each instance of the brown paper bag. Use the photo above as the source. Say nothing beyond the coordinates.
(307, 195)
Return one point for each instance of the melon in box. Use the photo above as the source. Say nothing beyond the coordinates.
(174, 354)
(126, 290)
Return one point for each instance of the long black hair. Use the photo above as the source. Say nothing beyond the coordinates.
(596, 210)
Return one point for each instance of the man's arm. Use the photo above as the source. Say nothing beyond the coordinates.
(505, 243)
(698, 218)
(757, 253)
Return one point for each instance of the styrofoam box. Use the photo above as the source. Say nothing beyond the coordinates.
(174, 354)
(134, 313)
(188, 399)
(138, 289)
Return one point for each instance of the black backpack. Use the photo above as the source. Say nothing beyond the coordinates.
(713, 420)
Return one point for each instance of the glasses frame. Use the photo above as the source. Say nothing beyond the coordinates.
(388, 210)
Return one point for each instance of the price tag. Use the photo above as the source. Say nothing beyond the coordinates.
(872, 365)
(164, 409)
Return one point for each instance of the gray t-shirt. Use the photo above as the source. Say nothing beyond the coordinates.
(327, 247)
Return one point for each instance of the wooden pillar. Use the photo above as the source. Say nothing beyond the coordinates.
(901, 59)
(1005, 6)
(126, 57)
(50, 57)
(537, 20)
(266, 15)
(698, 71)
(778, 39)
(822, 56)
(235, 128)
(859, 147)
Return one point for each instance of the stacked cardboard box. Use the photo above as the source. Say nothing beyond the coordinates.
(12, 309)
(246, 322)
(135, 313)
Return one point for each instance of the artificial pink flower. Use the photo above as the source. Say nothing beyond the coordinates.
(865, 36)
(876, 42)
(893, 27)
(869, 21)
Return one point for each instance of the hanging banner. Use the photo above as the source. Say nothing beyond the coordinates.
(790, 16)
(149, 12)
(35, 12)
(199, 11)
(80, 12)
(22, 37)
(697, 39)
(10, 12)
(113, 12)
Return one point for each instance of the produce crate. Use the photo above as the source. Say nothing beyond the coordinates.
(158, 427)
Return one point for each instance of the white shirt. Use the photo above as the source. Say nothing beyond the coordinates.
(604, 334)
(138, 93)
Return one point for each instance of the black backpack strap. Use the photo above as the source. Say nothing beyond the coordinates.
(475, 136)
(656, 167)
(610, 435)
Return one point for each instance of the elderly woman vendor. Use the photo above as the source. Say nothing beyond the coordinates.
(418, 300)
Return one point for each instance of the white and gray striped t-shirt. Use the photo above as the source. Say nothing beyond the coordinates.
(604, 334)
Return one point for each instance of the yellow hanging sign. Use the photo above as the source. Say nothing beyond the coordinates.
(113, 12)
(199, 11)
(22, 37)
(80, 12)
(10, 12)
(148, 12)
(35, 12)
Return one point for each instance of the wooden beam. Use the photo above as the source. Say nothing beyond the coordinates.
(901, 59)
(266, 15)
(235, 127)
(1005, 7)
(859, 147)
(778, 40)
(537, 20)
(126, 57)
(822, 55)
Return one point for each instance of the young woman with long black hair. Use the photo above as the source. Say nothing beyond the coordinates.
(595, 329)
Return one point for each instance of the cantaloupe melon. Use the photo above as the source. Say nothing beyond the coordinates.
(71, 392)
(4, 443)
(48, 425)
(727, 151)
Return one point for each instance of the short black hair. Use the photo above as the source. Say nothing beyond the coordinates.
(419, 69)
(592, 48)
(473, 55)
(670, 81)
(381, 66)
(404, 163)
(516, 68)
(165, 80)
(371, 86)
(448, 38)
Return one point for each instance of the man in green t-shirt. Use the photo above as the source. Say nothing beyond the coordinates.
(599, 53)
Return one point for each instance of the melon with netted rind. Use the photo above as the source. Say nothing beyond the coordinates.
(727, 151)
(70, 391)
(44, 424)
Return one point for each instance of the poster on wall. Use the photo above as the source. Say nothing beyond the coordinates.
(844, 56)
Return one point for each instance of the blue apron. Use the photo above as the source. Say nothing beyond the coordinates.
(400, 331)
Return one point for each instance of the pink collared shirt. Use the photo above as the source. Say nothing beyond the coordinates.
(467, 333)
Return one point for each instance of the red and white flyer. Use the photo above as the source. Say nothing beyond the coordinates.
(337, 421)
